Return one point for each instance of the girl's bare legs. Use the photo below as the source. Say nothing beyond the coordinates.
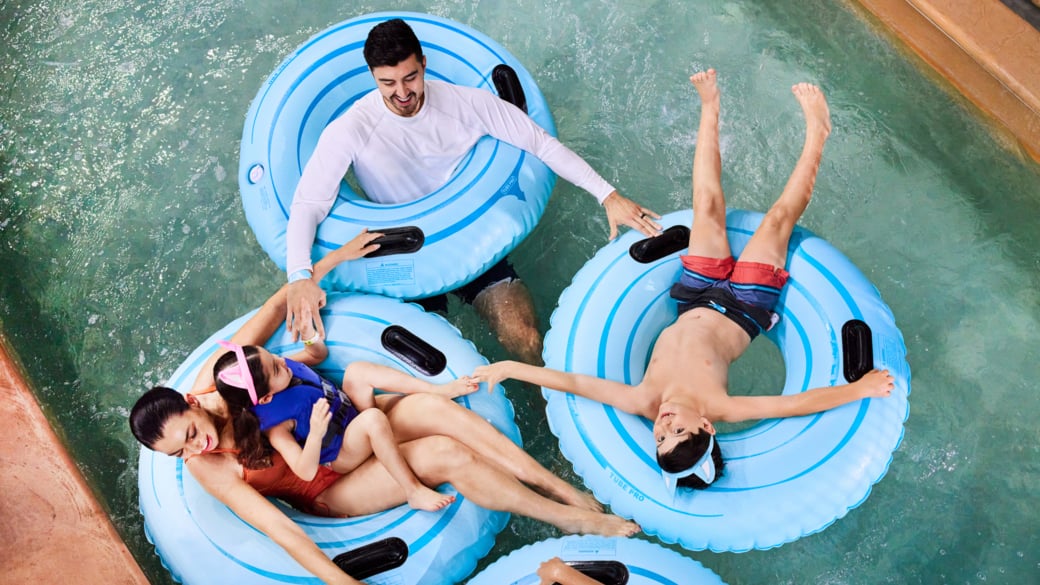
(438, 459)
(769, 243)
(423, 415)
(370, 434)
(708, 235)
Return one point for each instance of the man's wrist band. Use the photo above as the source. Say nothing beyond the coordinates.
(300, 274)
(314, 338)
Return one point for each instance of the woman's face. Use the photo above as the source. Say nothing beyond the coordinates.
(189, 433)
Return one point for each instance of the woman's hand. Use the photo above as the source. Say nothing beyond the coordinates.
(320, 417)
(459, 387)
(492, 374)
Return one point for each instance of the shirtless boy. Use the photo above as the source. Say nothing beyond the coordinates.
(723, 305)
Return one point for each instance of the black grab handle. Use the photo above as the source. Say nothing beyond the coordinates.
(857, 349)
(413, 349)
(508, 86)
(667, 242)
(372, 559)
(398, 240)
(606, 572)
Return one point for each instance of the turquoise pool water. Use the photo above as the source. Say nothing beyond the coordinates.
(124, 245)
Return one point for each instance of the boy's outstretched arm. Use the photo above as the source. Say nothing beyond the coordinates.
(616, 394)
(875, 384)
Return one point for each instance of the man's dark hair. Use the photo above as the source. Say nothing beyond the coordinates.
(686, 453)
(391, 42)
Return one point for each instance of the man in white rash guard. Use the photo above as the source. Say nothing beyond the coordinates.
(404, 142)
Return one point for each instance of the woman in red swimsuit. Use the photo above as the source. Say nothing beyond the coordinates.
(441, 441)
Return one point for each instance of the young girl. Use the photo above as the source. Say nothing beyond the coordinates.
(311, 422)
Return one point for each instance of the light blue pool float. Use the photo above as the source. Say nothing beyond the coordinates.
(201, 541)
(494, 199)
(612, 561)
(784, 478)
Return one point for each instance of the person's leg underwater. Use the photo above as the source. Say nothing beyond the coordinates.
(509, 311)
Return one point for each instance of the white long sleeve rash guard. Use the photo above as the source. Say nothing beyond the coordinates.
(398, 159)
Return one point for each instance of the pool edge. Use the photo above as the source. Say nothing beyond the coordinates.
(55, 529)
(985, 50)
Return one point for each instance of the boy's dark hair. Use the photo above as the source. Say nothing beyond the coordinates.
(152, 411)
(391, 42)
(254, 450)
(686, 453)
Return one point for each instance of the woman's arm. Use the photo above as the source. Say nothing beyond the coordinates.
(876, 384)
(362, 378)
(616, 394)
(222, 479)
(303, 461)
(255, 331)
(262, 325)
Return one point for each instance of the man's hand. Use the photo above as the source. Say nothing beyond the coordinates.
(303, 300)
(877, 384)
(623, 211)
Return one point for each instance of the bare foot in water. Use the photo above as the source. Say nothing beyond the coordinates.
(704, 82)
(424, 498)
(584, 500)
(814, 106)
(585, 522)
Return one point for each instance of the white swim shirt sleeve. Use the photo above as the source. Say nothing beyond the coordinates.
(508, 123)
(317, 190)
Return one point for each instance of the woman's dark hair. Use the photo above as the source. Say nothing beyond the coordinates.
(254, 450)
(152, 411)
(391, 42)
(686, 453)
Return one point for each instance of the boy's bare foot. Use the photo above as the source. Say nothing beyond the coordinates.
(814, 106)
(424, 498)
(704, 82)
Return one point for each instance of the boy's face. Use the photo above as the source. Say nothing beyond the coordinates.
(674, 423)
(402, 86)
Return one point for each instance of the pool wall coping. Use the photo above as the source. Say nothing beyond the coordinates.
(985, 50)
(54, 529)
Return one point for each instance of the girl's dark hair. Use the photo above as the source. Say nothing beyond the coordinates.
(152, 411)
(686, 453)
(391, 42)
(254, 450)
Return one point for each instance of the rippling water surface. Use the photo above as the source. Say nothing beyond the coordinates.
(123, 242)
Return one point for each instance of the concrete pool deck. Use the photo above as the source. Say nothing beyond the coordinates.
(54, 530)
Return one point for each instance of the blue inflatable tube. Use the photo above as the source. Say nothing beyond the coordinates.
(494, 199)
(613, 561)
(201, 541)
(784, 478)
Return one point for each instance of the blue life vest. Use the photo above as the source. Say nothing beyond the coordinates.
(296, 402)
